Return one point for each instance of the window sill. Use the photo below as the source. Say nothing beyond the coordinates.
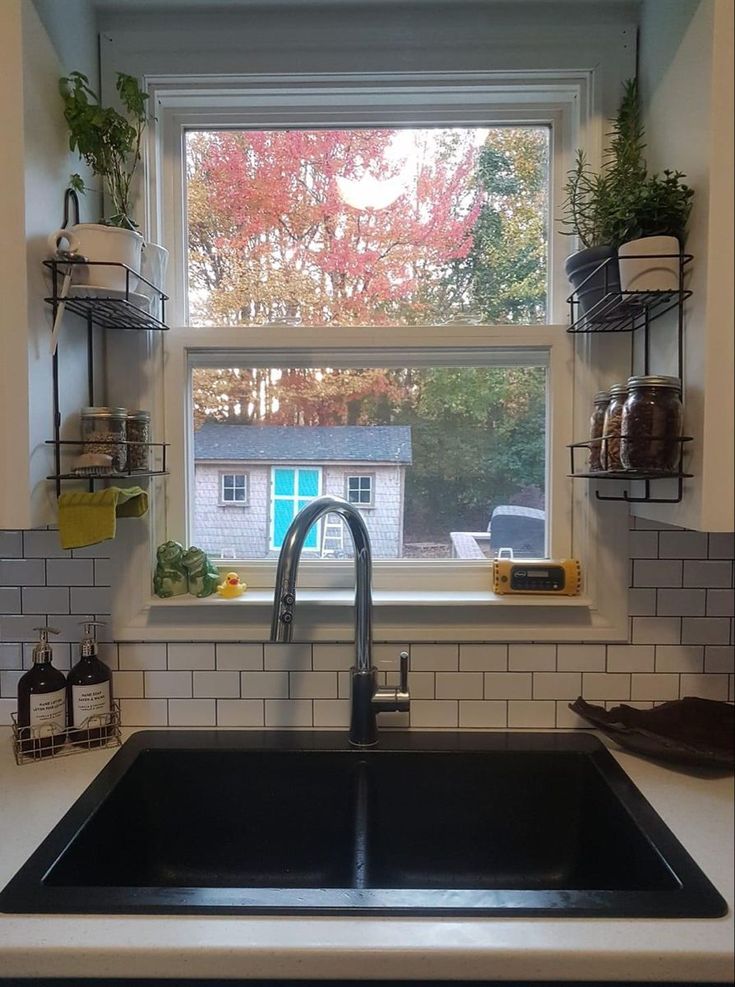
(381, 598)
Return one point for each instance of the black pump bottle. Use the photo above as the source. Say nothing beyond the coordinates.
(89, 693)
(42, 702)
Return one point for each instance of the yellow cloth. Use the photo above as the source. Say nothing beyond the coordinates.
(89, 518)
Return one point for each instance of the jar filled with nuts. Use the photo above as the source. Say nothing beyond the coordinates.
(139, 433)
(611, 428)
(104, 430)
(597, 421)
(652, 424)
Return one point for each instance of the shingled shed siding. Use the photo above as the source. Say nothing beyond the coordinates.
(242, 532)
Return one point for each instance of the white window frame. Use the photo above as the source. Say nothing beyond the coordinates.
(563, 100)
(223, 501)
(360, 476)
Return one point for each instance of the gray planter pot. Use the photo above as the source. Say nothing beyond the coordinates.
(593, 285)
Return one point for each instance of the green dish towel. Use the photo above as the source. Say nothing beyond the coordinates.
(89, 518)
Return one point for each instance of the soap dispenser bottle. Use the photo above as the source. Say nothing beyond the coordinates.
(42, 702)
(89, 693)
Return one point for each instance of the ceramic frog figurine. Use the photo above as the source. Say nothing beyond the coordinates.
(170, 578)
(202, 574)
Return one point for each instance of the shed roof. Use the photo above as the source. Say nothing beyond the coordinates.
(311, 444)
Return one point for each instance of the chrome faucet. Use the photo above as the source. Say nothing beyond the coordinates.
(367, 699)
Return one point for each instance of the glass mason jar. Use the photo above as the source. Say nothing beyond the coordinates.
(612, 427)
(652, 424)
(597, 421)
(139, 430)
(105, 429)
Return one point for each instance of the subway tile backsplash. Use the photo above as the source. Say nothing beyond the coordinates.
(681, 643)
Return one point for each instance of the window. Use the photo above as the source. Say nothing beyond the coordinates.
(234, 489)
(292, 489)
(360, 490)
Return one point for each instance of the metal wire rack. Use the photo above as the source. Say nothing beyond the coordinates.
(33, 744)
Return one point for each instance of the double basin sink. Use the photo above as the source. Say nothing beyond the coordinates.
(219, 822)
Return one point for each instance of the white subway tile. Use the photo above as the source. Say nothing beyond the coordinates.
(717, 658)
(557, 685)
(144, 712)
(217, 685)
(704, 686)
(720, 602)
(581, 658)
(239, 657)
(394, 721)
(435, 657)
(22, 572)
(682, 545)
(657, 573)
(421, 685)
(643, 544)
(168, 685)
(332, 713)
(312, 685)
(7, 706)
(483, 657)
(439, 714)
(19, 628)
(107, 652)
(567, 719)
(708, 574)
(287, 657)
(185, 656)
(191, 713)
(679, 657)
(705, 630)
(147, 657)
(478, 714)
(642, 602)
(630, 657)
(681, 602)
(656, 630)
(605, 685)
(69, 572)
(459, 685)
(721, 545)
(101, 551)
(532, 657)
(335, 657)
(344, 684)
(127, 685)
(655, 687)
(9, 683)
(508, 685)
(105, 571)
(43, 544)
(11, 656)
(288, 713)
(11, 545)
(9, 600)
(240, 713)
(531, 714)
(265, 685)
(45, 599)
(91, 599)
(385, 655)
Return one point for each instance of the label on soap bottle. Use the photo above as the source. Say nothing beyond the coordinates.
(89, 700)
(48, 707)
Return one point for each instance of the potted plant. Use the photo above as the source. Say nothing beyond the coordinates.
(109, 142)
(622, 210)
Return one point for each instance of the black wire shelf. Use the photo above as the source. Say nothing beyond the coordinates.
(624, 311)
(645, 476)
(126, 474)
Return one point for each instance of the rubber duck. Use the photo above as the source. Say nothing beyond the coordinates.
(231, 587)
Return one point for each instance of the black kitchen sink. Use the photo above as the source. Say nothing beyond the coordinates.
(227, 822)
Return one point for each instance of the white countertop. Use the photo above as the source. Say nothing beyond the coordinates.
(698, 810)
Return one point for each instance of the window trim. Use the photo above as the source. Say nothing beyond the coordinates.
(369, 505)
(223, 502)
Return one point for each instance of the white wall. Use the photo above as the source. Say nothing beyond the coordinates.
(686, 70)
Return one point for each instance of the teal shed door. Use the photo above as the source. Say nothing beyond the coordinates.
(291, 489)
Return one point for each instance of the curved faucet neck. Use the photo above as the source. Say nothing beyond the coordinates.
(288, 564)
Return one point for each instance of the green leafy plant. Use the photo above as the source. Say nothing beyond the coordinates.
(109, 141)
(622, 201)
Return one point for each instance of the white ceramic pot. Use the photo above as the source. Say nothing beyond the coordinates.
(108, 244)
(648, 265)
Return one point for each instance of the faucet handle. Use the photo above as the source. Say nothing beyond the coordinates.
(403, 684)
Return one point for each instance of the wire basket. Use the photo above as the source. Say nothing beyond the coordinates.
(32, 744)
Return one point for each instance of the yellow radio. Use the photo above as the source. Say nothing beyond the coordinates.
(562, 577)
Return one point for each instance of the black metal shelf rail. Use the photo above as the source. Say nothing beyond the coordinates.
(644, 476)
(116, 474)
(108, 313)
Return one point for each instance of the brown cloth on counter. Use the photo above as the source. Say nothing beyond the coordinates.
(684, 731)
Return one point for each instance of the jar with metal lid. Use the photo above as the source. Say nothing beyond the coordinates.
(104, 430)
(612, 427)
(139, 433)
(652, 424)
(597, 421)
